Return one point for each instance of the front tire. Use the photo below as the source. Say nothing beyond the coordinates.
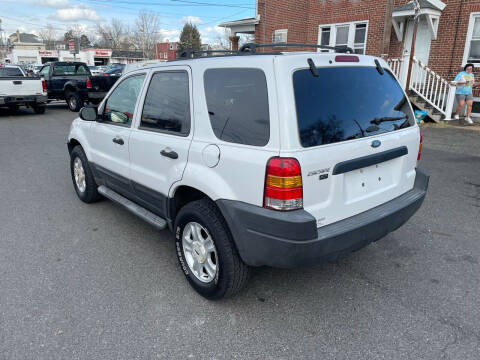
(206, 252)
(82, 176)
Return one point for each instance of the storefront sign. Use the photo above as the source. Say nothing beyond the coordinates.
(102, 52)
(46, 53)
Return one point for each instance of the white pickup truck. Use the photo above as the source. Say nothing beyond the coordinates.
(16, 89)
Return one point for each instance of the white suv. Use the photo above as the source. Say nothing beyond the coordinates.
(255, 159)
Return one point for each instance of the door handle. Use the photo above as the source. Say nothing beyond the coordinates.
(118, 141)
(169, 153)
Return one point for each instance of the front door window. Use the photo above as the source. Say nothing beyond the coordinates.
(120, 105)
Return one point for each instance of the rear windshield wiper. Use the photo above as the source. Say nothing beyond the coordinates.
(378, 121)
(313, 68)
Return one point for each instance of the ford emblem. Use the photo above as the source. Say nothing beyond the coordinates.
(376, 143)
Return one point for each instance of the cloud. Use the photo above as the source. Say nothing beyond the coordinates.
(191, 19)
(76, 13)
(52, 3)
(211, 34)
(170, 35)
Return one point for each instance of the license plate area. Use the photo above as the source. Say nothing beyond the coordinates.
(370, 181)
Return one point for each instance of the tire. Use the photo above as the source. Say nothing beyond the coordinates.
(88, 193)
(231, 273)
(13, 108)
(74, 101)
(39, 109)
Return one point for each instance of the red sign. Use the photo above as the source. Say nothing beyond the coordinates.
(102, 52)
(48, 53)
(71, 46)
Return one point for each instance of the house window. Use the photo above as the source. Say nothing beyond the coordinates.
(280, 36)
(353, 35)
(472, 46)
(171, 47)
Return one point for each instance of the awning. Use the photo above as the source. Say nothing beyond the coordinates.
(430, 9)
(243, 26)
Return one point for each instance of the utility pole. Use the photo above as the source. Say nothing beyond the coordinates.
(416, 5)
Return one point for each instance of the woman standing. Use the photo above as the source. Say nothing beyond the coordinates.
(464, 81)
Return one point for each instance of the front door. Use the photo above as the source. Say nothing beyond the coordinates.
(424, 39)
(160, 141)
(110, 135)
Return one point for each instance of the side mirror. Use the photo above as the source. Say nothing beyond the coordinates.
(88, 113)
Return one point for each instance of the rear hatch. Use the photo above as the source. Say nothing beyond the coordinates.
(352, 130)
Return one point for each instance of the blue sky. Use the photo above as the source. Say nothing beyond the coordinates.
(32, 15)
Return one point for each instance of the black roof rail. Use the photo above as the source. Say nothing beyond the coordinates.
(252, 47)
(190, 54)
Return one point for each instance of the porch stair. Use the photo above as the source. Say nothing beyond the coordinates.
(427, 90)
(431, 111)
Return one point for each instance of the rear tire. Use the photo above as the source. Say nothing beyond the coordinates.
(74, 101)
(82, 176)
(39, 109)
(231, 273)
(13, 108)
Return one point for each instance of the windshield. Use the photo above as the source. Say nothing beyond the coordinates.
(346, 103)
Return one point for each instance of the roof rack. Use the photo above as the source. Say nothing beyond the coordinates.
(251, 49)
(190, 54)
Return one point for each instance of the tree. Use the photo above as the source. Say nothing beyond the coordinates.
(146, 33)
(189, 38)
(48, 36)
(84, 42)
(111, 35)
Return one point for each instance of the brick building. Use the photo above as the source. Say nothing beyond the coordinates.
(448, 33)
(165, 51)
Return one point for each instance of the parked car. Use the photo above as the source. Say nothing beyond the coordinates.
(74, 83)
(283, 160)
(16, 89)
(114, 71)
(94, 70)
(37, 68)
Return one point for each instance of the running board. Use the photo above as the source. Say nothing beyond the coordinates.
(141, 212)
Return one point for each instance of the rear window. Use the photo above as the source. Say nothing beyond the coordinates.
(348, 103)
(70, 69)
(237, 101)
(9, 72)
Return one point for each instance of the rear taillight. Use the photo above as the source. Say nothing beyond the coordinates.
(88, 83)
(420, 146)
(105, 74)
(283, 185)
(44, 86)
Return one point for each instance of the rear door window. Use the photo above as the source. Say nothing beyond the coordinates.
(237, 102)
(345, 103)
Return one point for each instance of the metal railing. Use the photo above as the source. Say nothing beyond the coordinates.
(434, 90)
(395, 66)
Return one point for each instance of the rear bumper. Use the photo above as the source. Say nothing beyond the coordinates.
(20, 100)
(291, 239)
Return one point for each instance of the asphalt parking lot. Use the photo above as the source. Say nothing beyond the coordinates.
(82, 281)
